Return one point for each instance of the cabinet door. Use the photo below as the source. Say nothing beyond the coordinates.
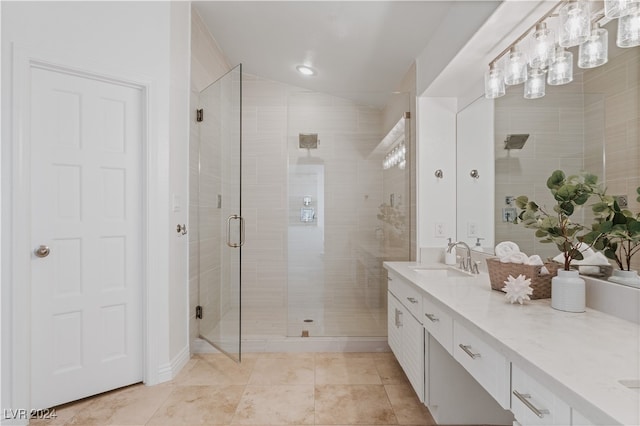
(413, 353)
(394, 325)
(489, 367)
(534, 404)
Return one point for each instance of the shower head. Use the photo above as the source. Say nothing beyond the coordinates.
(515, 141)
(308, 140)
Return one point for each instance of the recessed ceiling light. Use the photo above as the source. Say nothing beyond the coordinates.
(305, 70)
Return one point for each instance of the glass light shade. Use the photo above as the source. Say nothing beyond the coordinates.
(618, 8)
(541, 46)
(575, 24)
(515, 68)
(561, 68)
(629, 28)
(593, 52)
(534, 87)
(494, 83)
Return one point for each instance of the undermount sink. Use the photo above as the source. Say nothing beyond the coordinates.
(441, 271)
(633, 384)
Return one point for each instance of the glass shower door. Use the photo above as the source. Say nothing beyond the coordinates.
(220, 224)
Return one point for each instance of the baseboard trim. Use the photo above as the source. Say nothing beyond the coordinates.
(171, 369)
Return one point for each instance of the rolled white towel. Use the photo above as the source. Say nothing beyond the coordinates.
(597, 259)
(506, 248)
(559, 258)
(589, 265)
(518, 257)
(534, 260)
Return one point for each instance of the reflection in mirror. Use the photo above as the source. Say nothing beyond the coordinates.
(574, 127)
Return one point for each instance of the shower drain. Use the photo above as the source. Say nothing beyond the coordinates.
(308, 320)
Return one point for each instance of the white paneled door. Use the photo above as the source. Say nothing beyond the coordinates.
(86, 207)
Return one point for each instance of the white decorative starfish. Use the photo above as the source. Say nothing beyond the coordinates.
(517, 289)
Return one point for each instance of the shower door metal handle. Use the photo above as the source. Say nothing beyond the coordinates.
(241, 242)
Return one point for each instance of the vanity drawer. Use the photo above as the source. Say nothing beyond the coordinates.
(438, 323)
(489, 367)
(534, 404)
(407, 294)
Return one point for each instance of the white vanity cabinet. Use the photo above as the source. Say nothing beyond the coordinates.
(405, 331)
(438, 323)
(534, 404)
(489, 367)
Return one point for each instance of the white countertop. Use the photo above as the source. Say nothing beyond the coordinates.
(580, 357)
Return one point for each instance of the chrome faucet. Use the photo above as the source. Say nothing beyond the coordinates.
(466, 264)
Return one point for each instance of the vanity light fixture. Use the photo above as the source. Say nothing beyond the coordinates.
(593, 52)
(534, 87)
(515, 68)
(541, 46)
(618, 8)
(494, 82)
(548, 61)
(306, 70)
(561, 68)
(629, 28)
(575, 23)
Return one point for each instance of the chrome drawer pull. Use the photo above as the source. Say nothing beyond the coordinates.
(432, 317)
(412, 299)
(524, 397)
(466, 349)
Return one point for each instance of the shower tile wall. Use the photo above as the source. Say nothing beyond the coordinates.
(273, 115)
(614, 116)
(555, 124)
(264, 186)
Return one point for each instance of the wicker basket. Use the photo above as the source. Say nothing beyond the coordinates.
(541, 284)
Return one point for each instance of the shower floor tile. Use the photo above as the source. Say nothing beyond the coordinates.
(266, 389)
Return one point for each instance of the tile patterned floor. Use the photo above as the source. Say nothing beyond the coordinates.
(266, 389)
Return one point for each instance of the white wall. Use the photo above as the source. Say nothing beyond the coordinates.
(475, 151)
(180, 44)
(436, 150)
(138, 41)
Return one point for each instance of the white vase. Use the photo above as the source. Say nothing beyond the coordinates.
(568, 292)
(629, 278)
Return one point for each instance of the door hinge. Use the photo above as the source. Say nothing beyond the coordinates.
(199, 312)
(199, 115)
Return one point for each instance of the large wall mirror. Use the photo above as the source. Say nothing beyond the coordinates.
(591, 124)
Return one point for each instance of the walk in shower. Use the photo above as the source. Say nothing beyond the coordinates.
(326, 197)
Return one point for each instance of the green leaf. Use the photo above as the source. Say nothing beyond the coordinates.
(619, 218)
(567, 208)
(590, 179)
(633, 226)
(576, 254)
(610, 254)
(556, 179)
(521, 202)
(582, 198)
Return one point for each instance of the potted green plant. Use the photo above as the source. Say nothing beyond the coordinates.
(557, 227)
(617, 235)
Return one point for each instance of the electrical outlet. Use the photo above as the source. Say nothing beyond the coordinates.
(472, 229)
(508, 214)
(623, 201)
(509, 200)
(440, 230)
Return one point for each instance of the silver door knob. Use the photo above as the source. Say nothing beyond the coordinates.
(42, 251)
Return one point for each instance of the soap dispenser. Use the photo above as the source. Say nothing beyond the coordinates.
(450, 257)
(478, 246)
